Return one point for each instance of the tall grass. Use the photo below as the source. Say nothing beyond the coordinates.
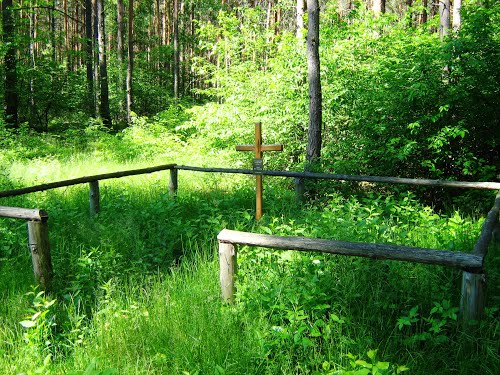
(136, 287)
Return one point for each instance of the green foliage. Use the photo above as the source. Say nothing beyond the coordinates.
(436, 328)
(396, 101)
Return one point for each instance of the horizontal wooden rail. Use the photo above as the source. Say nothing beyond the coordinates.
(346, 177)
(23, 213)
(473, 280)
(82, 180)
(472, 263)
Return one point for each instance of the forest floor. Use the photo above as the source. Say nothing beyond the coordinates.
(136, 288)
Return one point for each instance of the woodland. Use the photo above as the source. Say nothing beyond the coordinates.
(371, 87)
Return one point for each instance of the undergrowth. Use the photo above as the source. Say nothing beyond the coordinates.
(136, 288)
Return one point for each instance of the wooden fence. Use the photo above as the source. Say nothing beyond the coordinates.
(473, 284)
(93, 181)
(38, 240)
(472, 301)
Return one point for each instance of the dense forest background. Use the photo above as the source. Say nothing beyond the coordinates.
(409, 89)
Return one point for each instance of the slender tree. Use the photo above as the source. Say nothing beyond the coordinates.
(89, 59)
(130, 59)
(444, 18)
(378, 6)
(103, 67)
(457, 18)
(176, 48)
(10, 80)
(315, 98)
(300, 8)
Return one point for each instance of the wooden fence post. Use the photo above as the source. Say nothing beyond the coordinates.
(228, 269)
(94, 197)
(299, 189)
(472, 297)
(38, 237)
(173, 182)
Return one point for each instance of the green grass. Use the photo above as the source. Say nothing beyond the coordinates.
(137, 286)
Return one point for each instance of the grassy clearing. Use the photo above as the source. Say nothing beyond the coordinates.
(137, 286)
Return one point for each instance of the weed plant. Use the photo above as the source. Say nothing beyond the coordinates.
(136, 288)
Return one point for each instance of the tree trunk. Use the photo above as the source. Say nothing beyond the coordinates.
(176, 48)
(457, 17)
(130, 59)
(32, 55)
(301, 6)
(444, 18)
(120, 10)
(66, 35)
(103, 67)
(313, 63)
(89, 60)
(10, 80)
(378, 7)
(120, 53)
(95, 28)
(423, 15)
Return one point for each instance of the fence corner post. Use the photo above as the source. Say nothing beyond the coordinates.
(38, 237)
(173, 185)
(472, 298)
(94, 198)
(228, 269)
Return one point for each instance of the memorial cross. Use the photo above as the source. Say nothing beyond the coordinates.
(258, 164)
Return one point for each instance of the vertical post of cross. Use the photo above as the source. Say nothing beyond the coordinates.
(258, 164)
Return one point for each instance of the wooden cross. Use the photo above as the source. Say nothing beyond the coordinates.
(258, 165)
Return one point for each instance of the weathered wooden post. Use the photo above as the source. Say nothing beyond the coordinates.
(472, 296)
(94, 197)
(472, 299)
(228, 269)
(173, 185)
(258, 164)
(38, 237)
(298, 183)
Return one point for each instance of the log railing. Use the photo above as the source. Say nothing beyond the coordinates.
(472, 264)
(38, 240)
(94, 195)
(472, 299)
(93, 181)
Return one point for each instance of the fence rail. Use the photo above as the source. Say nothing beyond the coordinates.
(83, 180)
(345, 177)
(472, 263)
(474, 279)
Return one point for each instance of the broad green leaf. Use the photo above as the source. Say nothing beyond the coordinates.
(28, 323)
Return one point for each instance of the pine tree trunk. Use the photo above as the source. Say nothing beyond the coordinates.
(120, 53)
(176, 48)
(120, 10)
(10, 81)
(130, 59)
(89, 60)
(103, 67)
(315, 99)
